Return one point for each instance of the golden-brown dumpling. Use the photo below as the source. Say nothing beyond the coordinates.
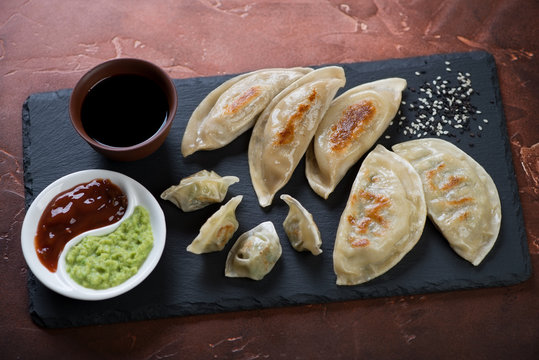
(383, 219)
(462, 199)
(300, 227)
(285, 128)
(255, 253)
(352, 124)
(199, 190)
(233, 107)
(218, 229)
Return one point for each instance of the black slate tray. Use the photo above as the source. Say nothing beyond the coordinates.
(186, 284)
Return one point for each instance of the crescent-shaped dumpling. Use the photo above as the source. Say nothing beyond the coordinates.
(300, 228)
(218, 229)
(350, 127)
(462, 199)
(233, 107)
(383, 219)
(199, 190)
(285, 128)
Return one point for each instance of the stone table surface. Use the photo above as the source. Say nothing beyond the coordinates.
(48, 45)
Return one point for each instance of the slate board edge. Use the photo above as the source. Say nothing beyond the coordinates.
(231, 305)
(28, 198)
(511, 173)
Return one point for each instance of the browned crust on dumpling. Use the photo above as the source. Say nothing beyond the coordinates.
(454, 180)
(353, 122)
(373, 205)
(225, 233)
(247, 97)
(286, 136)
(459, 205)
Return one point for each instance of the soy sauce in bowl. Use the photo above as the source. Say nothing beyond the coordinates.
(124, 110)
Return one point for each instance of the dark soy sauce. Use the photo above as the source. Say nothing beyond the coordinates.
(124, 110)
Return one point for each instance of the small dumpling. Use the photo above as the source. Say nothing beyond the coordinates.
(353, 123)
(255, 253)
(300, 227)
(233, 107)
(462, 199)
(199, 190)
(383, 219)
(218, 229)
(285, 128)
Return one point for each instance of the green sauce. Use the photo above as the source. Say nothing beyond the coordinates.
(101, 262)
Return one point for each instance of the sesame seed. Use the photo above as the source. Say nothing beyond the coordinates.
(442, 106)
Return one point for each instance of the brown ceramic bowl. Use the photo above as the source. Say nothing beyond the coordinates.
(114, 68)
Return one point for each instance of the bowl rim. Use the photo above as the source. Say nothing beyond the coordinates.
(114, 67)
(60, 281)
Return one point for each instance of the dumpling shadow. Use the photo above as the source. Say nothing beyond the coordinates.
(338, 198)
(271, 284)
(212, 269)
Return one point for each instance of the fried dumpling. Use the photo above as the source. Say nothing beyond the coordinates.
(300, 227)
(350, 127)
(462, 199)
(218, 229)
(255, 253)
(285, 128)
(233, 107)
(383, 219)
(199, 190)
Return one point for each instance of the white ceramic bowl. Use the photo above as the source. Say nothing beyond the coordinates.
(60, 281)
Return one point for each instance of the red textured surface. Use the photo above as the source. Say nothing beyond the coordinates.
(48, 45)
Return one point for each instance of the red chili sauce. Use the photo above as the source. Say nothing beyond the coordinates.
(84, 207)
